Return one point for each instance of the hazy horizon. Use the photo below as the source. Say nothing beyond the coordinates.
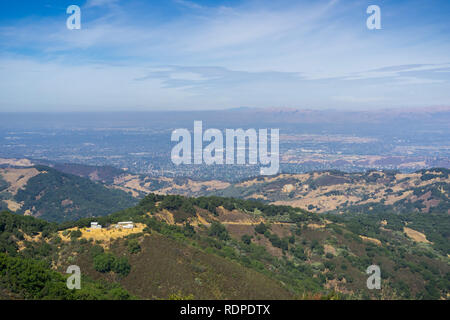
(284, 109)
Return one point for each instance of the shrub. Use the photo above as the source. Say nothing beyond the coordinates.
(104, 262)
(121, 266)
(219, 231)
(247, 239)
(75, 234)
(134, 246)
(261, 228)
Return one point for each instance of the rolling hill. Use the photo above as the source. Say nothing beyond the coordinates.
(225, 248)
(320, 191)
(424, 191)
(44, 192)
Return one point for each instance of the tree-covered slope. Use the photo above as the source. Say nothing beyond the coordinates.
(26, 270)
(157, 265)
(225, 248)
(55, 196)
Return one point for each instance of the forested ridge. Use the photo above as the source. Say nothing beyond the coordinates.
(56, 196)
(282, 251)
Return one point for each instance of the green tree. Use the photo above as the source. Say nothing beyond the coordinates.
(247, 239)
(261, 228)
(218, 230)
(104, 262)
(121, 266)
(134, 246)
(75, 234)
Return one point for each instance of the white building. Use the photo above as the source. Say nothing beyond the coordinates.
(95, 225)
(125, 225)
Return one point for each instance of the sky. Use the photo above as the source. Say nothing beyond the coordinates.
(136, 55)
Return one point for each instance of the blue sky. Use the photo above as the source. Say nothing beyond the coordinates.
(183, 55)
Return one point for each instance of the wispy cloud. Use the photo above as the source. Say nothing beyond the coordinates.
(208, 77)
(315, 54)
(188, 4)
(100, 3)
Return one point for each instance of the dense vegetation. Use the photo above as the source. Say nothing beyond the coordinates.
(105, 174)
(4, 195)
(32, 279)
(107, 262)
(27, 274)
(56, 196)
(290, 254)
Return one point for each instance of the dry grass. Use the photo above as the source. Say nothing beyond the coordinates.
(287, 188)
(13, 205)
(133, 192)
(194, 186)
(329, 249)
(415, 235)
(237, 217)
(135, 184)
(18, 178)
(315, 226)
(251, 182)
(332, 197)
(257, 196)
(372, 240)
(16, 162)
(28, 238)
(106, 235)
(165, 216)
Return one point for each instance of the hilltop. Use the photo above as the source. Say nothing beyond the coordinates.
(225, 248)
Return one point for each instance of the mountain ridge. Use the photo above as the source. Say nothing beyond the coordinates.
(227, 248)
(56, 196)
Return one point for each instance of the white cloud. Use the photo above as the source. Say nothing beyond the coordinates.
(100, 3)
(188, 4)
(213, 57)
